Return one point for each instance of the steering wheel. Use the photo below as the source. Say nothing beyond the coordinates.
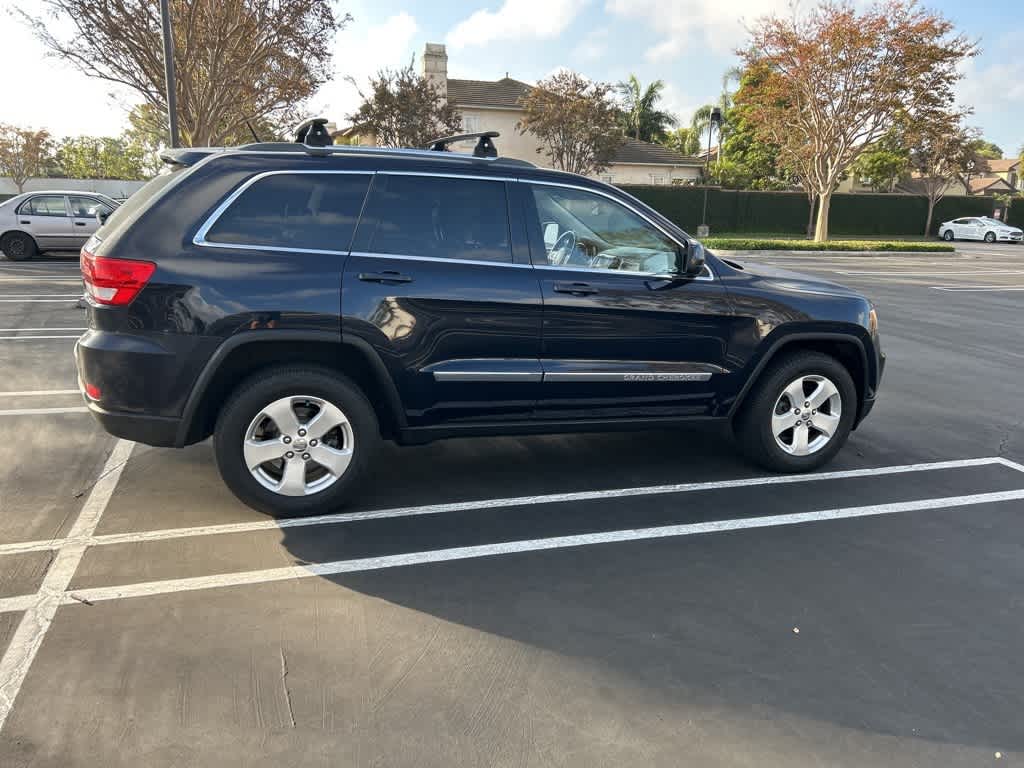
(563, 248)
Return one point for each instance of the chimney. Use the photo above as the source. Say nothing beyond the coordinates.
(435, 67)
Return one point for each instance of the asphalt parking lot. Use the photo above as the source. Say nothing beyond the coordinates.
(582, 600)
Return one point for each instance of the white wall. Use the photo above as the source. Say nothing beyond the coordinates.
(110, 187)
(649, 174)
(511, 143)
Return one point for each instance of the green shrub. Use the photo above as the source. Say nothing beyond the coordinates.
(754, 244)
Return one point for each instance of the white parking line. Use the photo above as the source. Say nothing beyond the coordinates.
(977, 288)
(145, 589)
(43, 411)
(39, 392)
(41, 301)
(41, 295)
(32, 628)
(19, 330)
(36, 338)
(499, 503)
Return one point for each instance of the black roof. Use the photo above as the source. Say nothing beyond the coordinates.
(488, 93)
(633, 151)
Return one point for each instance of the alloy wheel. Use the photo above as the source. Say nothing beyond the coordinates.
(806, 415)
(299, 445)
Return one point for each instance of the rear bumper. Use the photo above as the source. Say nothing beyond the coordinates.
(158, 431)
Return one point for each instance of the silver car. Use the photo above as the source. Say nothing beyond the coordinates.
(33, 222)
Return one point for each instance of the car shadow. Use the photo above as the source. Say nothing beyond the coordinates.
(893, 638)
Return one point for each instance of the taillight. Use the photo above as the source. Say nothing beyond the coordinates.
(114, 282)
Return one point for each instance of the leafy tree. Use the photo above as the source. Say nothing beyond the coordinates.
(236, 60)
(884, 164)
(986, 149)
(745, 161)
(404, 109)
(576, 121)
(682, 140)
(24, 153)
(100, 157)
(641, 117)
(838, 79)
(939, 152)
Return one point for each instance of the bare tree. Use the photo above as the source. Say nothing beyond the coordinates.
(838, 79)
(23, 153)
(236, 60)
(576, 120)
(403, 109)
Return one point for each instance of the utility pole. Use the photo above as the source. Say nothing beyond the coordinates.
(172, 100)
(714, 122)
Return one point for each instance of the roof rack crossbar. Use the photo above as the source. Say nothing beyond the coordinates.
(484, 146)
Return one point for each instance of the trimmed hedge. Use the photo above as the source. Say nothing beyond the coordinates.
(786, 212)
(761, 244)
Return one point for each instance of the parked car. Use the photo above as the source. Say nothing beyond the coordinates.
(301, 303)
(980, 228)
(34, 222)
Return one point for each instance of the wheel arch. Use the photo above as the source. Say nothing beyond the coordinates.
(245, 354)
(847, 348)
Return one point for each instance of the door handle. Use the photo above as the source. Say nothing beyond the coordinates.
(577, 289)
(24, 221)
(79, 223)
(384, 277)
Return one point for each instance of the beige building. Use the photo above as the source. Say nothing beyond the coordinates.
(496, 105)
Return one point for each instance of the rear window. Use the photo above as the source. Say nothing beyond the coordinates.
(449, 218)
(44, 205)
(309, 211)
(140, 198)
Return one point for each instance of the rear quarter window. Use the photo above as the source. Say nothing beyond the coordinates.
(308, 211)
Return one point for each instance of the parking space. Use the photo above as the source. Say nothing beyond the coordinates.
(607, 599)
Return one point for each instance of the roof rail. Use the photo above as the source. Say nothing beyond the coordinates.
(484, 147)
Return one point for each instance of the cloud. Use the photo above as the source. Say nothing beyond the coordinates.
(360, 52)
(683, 24)
(516, 20)
(594, 46)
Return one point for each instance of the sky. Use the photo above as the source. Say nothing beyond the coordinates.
(688, 44)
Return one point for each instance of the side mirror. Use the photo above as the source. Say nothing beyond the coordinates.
(692, 258)
(101, 216)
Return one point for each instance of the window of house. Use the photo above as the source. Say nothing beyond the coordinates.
(471, 124)
(583, 229)
(310, 211)
(657, 179)
(439, 217)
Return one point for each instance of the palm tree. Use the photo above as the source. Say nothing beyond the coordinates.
(700, 123)
(641, 117)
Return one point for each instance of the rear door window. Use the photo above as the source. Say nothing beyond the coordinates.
(440, 217)
(45, 205)
(305, 211)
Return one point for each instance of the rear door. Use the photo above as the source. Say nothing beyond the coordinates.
(46, 218)
(83, 216)
(622, 338)
(439, 284)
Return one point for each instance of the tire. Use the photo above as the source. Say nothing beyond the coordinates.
(948, 235)
(754, 426)
(990, 237)
(18, 246)
(298, 391)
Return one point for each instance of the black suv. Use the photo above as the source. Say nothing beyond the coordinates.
(300, 303)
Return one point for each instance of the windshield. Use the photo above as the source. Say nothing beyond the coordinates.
(990, 220)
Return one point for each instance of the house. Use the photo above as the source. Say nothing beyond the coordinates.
(496, 105)
(1006, 170)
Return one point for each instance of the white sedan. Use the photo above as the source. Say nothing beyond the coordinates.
(979, 228)
(34, 222)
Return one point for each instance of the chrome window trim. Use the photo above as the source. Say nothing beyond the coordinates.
(624, 204)
(703, 277)
(201, 233)
(446, 260)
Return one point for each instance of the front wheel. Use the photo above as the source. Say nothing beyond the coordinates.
(294, 441)
(799, 413)
(948, 235)
(990, 237)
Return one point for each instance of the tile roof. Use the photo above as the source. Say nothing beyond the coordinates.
(1005, 165)
(501, 93)
(633, 151)
(983, 184)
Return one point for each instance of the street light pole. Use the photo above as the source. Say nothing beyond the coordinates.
(172, 101)
(715, 121)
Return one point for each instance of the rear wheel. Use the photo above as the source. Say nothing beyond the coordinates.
(799, 413)
(990, 237)
(17, 246)
(948, 235)
(295, 441)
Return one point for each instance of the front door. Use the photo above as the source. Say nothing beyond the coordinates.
(45, 217)
(440, 284)
(623, 338)
(83, 217)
